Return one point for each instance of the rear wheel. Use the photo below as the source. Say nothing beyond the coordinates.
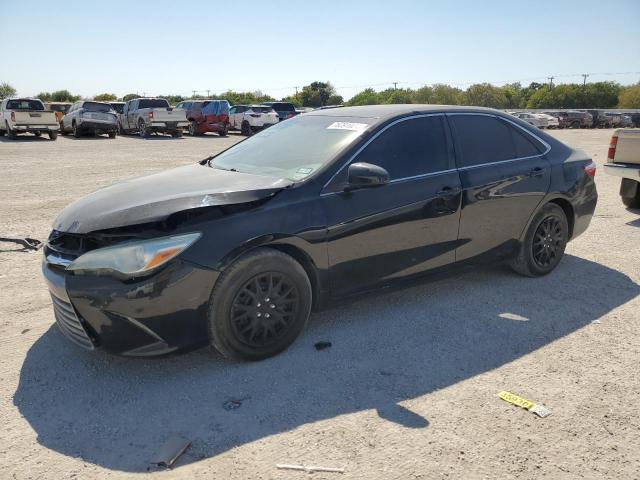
(630, 193)
(76, 130)
(544, 242)
(193, 129)
(142, 129)
(259, 305)
(53, 135)
(10, 133)
(223, 132)
(245, 129)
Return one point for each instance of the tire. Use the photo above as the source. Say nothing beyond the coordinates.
(224, 132)
(112, 134)
(76, 130)
(177, 134)
(53, 135)
(120, 129)
(2, 133)
(37, 134)
(544, 243)
(142, 129)
(245, 129)
(62, 131)
(10, 133)
(632, 201)
(279, 279)
(193, 129)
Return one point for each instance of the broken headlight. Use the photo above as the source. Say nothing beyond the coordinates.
(134, 258)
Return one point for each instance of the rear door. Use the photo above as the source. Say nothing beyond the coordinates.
(406, 227)
(504, 174)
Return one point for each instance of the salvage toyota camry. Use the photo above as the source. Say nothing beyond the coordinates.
(236, 250)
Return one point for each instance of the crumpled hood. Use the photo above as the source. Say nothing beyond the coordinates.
(155, 197)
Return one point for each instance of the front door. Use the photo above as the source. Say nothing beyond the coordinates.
(380, 234)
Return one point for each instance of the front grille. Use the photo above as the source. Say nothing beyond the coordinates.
(69, 323)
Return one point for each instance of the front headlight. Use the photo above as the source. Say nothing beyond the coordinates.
(134, 258)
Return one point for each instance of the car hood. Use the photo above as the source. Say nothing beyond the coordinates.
(155, 197)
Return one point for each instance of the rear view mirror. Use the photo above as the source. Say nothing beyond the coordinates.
(364, 175)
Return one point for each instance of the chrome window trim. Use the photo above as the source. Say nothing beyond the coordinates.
(500, 117)
(395, 122)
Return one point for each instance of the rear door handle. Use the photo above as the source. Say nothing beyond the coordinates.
(536, 172)
(447, 191)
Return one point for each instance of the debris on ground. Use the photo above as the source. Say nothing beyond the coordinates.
(309, 469)
(322, 345)
(28, 244)
(175, 446)
(25, 331)
(514, 399)
(234, 403)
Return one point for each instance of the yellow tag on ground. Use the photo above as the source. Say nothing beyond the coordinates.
(516, 400)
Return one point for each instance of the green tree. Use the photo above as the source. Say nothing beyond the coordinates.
(630, 97)
(486, 95)
(422, 95)
(6, 91)
(335, 100)
(64, 96)
(105, 97)
(317, 94)
(44, 96)
(599, 95)
(395, 96)
(130, 96)
(446, 95)
(173, 99)
(245, 98)
(366, 97)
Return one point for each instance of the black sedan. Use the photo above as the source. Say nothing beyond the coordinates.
(235, 251)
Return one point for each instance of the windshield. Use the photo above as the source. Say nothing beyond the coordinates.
(153, 103)
(25, 105)
(294, 149)
(261, 109)
(283, 107)
(96, 107)
(59, 108)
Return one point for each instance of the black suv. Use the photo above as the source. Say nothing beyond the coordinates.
(284, 110)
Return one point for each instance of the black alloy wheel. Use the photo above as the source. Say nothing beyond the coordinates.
(547, 241)
(263, 309)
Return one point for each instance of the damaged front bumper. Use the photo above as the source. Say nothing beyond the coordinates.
(155, 315)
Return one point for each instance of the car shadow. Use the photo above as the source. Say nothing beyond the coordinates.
(386, 348)
(25, 138)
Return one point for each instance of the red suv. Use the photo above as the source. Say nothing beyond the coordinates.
(206, 116)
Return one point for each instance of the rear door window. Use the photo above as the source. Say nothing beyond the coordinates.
(411, 147)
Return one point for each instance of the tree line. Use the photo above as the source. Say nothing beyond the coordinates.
(509, 96)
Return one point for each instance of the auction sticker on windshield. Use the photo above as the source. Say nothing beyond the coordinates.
(357, 127)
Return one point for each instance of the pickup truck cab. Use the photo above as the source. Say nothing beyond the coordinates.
(623, 160)
(27, 115)
(151, 115)
(90, 117)
(250, 118)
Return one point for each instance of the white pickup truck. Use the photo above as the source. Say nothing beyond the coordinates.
(151, 115)
(623, 160)
(27, 115)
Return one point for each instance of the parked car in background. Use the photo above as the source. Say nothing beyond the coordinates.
(151, 115)
(90, 117)
(251, 118)
(284, 110)
(59, 108)
(576, 119)
(619, 120)
(532, 119)
(623, 160)
(635, 118)
(552, 122)
(206, 116)
(235, 250)
(27, 115)
(562, 121)
(117, 106)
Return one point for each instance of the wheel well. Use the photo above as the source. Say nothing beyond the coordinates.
(568, 211)
(306, 263)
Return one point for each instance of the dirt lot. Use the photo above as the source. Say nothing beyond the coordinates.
(408, 389)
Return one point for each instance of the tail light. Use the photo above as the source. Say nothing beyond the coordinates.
(590, 168)
(612, 148)
(13, 116)
(289, 115)
(150, 115)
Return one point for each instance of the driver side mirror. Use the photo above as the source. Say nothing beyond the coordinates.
(365, 175)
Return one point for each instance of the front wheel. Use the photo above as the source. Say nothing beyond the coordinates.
(53, 135)
(259, 305)
(193, 129)
(112, 134)
(224, 132)
(544, 243)
(177, 134)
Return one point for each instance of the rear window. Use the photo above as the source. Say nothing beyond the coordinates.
(483, 139)
(283, 107)
(261, 109)
(96, 107)
(216, 107)
(118, 107)
(153, 103)
(25, 105)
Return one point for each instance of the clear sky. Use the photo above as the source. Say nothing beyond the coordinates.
(175, 47)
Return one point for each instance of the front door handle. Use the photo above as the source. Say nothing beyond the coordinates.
(447, 191)
(536, 172)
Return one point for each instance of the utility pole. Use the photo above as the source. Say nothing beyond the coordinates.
(208, 92)
(395, 85)
(551, 81)
(296, 90)
(584, 79)
(194, 93)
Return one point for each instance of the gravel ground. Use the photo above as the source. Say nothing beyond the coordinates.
(408, 389)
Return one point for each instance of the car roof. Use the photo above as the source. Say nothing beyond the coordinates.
(386, 112)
